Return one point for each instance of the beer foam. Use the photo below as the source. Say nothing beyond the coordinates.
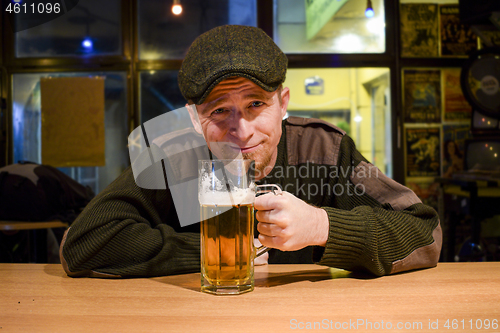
(237, 197)
(216, 194)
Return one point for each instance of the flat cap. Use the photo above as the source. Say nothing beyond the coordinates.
(227, 51)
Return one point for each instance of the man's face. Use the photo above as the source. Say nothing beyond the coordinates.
(239, 112)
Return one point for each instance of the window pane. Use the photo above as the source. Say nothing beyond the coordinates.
(93, 27)
(354, 99)
(346, 30)
(159, 94)
(163, 35)
(26, 124)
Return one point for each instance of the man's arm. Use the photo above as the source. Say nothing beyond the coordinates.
(122, 232)
(377, 239)
(381, 241)
(382, 227)
(376, 224)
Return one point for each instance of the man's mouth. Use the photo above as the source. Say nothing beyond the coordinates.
(248, 149)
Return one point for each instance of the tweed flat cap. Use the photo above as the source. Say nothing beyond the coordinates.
(227, 51)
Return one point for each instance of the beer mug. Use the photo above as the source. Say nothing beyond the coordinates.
(226, 192)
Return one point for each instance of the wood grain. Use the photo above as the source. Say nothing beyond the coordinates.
(19, 225)
(41, 298)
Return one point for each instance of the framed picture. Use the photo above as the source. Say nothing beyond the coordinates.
(419, 30)
(456, 107)
(422, 95)
(423, 157)
(454, 137)
(457, 39)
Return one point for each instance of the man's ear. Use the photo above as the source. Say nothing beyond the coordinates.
(285, 98)
(193, 114)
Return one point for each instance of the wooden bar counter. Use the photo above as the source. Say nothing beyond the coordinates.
(452, 297)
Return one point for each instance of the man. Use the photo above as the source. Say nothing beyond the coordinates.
(337, 208)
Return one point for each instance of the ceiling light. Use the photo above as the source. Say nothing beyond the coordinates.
(177, 7)
(369, 9)
(87, 44)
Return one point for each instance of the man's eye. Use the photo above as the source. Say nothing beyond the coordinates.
(218, 111)
(257, 104)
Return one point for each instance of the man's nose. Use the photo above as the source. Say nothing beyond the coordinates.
(241, 128)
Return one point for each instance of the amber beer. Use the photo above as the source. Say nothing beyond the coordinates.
(227, 248)
(226, 193)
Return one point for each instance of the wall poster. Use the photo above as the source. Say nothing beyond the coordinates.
(422, 96)
(423, 152)
(457, 39)
(419, 30)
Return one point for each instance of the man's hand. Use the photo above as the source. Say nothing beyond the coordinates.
(288, 223)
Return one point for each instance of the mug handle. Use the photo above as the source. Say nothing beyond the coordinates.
(263, 189)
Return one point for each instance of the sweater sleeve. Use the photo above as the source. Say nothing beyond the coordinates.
(377, 224)
(128, 231)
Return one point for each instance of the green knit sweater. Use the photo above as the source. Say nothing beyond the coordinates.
(376, 224)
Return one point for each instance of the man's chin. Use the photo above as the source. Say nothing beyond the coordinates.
(262, 167)
(252, 156)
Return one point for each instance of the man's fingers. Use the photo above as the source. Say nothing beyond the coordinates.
(271, 241)
(271, 217)
(263, 215)
(267, 240)
(268, 229)
(266, 201)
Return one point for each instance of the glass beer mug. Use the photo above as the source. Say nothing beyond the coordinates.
(226, 192)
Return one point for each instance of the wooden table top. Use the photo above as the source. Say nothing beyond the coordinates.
(20, 225)
(41, 298)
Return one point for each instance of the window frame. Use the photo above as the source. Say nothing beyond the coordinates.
(129, 62)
